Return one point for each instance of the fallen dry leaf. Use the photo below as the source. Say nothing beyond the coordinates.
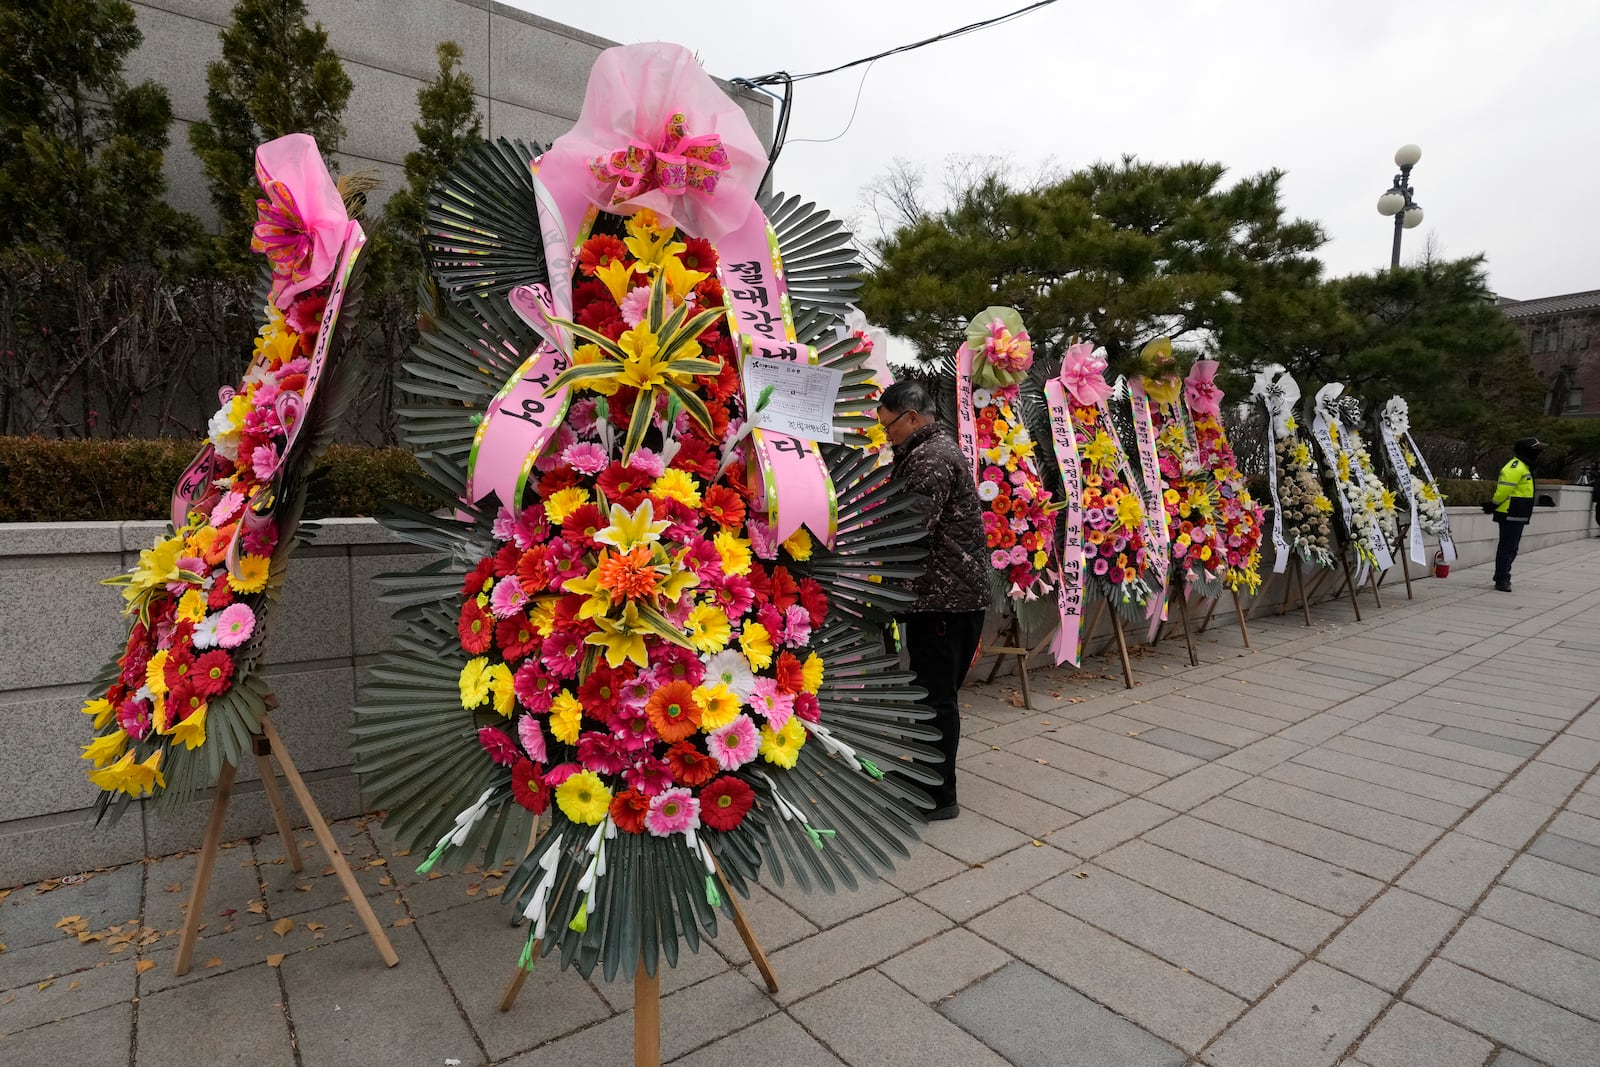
(496, 891)
(1037, 843)
(404, 920)
(379, 862)
(256, 907)
(1080, 874)
(386, 881)
(316, 926)
(474, 889)
(397, 852)
(327, 870)
(175, 887)
(212, 963)
(274, 959)
(69, 920)
(42, 986)
(1134, 733)
(75, 985)
(282, 926)
(144, 965)
(304, 887)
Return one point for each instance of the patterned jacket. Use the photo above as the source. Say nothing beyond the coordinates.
(930, 467)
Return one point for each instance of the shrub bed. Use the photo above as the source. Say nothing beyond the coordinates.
(45, 480)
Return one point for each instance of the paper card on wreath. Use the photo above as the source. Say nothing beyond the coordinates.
(802, 398)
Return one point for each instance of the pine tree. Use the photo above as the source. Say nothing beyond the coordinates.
(80, 149)
(276, 76)
(449, 124)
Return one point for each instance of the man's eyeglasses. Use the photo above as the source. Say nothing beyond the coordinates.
(897, 418)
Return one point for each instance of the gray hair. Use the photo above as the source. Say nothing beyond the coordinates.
(908, 396)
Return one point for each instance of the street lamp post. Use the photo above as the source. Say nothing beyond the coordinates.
(1397, 201)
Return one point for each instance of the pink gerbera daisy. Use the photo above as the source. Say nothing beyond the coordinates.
(771, 703)
(649, 776)
(501, 749)
(534, 687)
(672, 811)
(531, 734)
(796, 626)
(586, 458)
(235, 624)
(763, 542)
(601, 753)
(648, 463)
(735, 744)
(508, 597)
(561, 652)
(227, 508)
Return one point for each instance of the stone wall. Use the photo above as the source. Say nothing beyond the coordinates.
(57, 626)
(530, 74)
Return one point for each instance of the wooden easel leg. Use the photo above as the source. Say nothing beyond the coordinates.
(1288, 586)
(1405, 571)
(1372, 579)
(1238, 611)
(1350, 585)
(751, 945)
(1188, 638)
(1122, 649)
(1022, 673)
(1210, 612)
(202, 870)
(280, 814)
(1088, 632)
(319, 826)
(1305, 597)
(646, 1018)
(514, 987)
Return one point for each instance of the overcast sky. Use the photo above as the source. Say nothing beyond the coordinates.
(1502, 98)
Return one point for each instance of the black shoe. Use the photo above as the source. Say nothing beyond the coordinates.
(1504, 587)
(945, 811)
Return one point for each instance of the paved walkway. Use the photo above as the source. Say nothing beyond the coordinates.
(1374, 844)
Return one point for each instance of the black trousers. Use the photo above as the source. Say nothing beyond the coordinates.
(1506, 551)
(940, 646)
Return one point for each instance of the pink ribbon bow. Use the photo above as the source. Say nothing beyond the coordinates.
(301, 225)
(676, 165)
(1200, 388)
(1084, 375)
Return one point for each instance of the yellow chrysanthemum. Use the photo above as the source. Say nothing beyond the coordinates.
(252, 576)
(1290, 425)
(783, 747)
(200, 542)
(566, 717)
(811, 674)
(543, 616)
(1343, 464)
(474, 682)
(708, 628)
(798, 544)
(876, 438)
(1301, 454)
(1101, 451)
(679, 485)
(502, 687)
(1039, 560)
(192, 731)
(734, 551)
(584, 798)
(1324, 505)
(564, 502)
(101, 710)
(1129, 511)
(720, 706)
(103, 750)
(756, 644)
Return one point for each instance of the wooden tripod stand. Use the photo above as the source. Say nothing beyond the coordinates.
(1117, 636)
(1011, 645)
(1238, 613)
(268, 745)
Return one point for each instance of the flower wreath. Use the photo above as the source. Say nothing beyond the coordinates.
(182, 698)
(1302, 512)
(638, 638)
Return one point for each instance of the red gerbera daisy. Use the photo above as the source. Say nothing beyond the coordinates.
(516, 637)
(788, 672)
(476, 579)
(814, 600)
(784, 590)
(527, 786)
(698, 254)
(212, 673)
(628, 809)
(601, 691)
(581, 526)
(690, 766)
(221, 596)
(724, 802)
(623, 485)
(695, 456)
(505, 560)
(501, 748)
(476, 628)
(599, 251)
(531, 572)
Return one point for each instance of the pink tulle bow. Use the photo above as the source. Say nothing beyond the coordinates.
(1084, 374)
(1200, 388)
(654, 129)
(301, 224)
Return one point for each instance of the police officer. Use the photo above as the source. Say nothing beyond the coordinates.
(1513, 506)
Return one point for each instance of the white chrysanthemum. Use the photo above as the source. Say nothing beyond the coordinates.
(982, 398)
(988, 491)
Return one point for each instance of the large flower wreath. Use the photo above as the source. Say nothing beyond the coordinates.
(1190, 495)
(183, 697)
(636, 636)
(1302, 513)
(1377, 499)
(1358, 498)
(1019, 521)
(1119, 561)
(1411, 472)
(1238, 514)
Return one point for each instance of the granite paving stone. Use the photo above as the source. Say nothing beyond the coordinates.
(1242, 962)
(870, 1020)
(1257, 757)
(1344, 850)
(1506, 1058)
(1130, 750)
(1097, 768)
(1529, 1025)
(1491, 759)
(1035, 1021)
(1549, 972)
(1107, 829)
(247, 1004)
(1410, 1037)
(972, 838)
(1578, 855)
(1494, 742)
(1318, 728)
(1577, 827)
(1196, 787)
(94, 1039)
(1456, 794)
(1391, 939)
(1384, 752)
(1506, 820)
(945, 964)
(991, 884)
(837, 953)
(1007, 807)
(1356, 819)
(30, 1002)
(1304, 877)
(779, 924)
(755, 1044)
(1556, 923)
(1308, 1020)
(1368, 794)
(1457, 869)
(1178, 1007)
(1272, 914)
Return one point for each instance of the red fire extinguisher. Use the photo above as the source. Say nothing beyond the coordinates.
(1441, 569)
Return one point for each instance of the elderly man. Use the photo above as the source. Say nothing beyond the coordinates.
(943, 627)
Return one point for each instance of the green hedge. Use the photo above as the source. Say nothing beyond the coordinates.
(44, 480)
(1465, 493)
